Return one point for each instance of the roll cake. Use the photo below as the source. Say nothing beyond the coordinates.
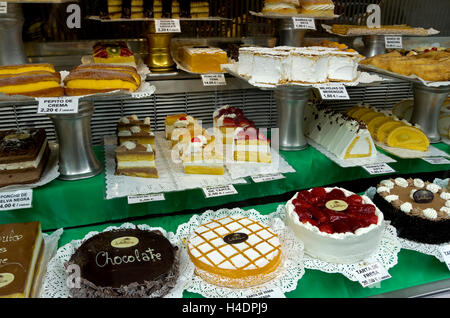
(23, 156)
(100, 78)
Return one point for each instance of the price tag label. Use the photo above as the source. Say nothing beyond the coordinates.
(218, 191)
(445, 251)
(267, 177)
(393, 42)
(167, 26)
(371, 274)
(141, 94)
(14, 200)
(3, 7)
(58, 105)
(437, 160)
(133, 199)
(304, 23)
(213, 79)
(274, 292)
(333, 92)
(378, 168)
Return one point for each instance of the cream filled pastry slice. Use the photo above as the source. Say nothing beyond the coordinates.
(200, 156)
(135, 160)
(281, 6)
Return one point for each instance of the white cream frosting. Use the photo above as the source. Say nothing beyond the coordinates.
(445, 195)
(135, 129)
(383, 189)
(430, 213)
(129, 145)
(401, 182)
(433, 187)
(147, 121)
(391, 198)
(445, 209)
(387, 183)
(447, 203)
(411, 193)
(136, 164)
(124, 133)
(124, 120)
(418, 183)
(406, 207)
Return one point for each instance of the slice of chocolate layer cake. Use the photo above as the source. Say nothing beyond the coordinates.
(23, 156)
(135, 160)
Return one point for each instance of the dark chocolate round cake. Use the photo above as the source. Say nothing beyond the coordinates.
(419, 210)
(127, 263)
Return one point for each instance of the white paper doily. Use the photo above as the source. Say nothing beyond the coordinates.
(50, 173)
(55, 281)
(241, 169)
(171, 174)
(429, 249)
(386, 254)
(430, 31)
(355, 162)
(290, 272)
(408, 154)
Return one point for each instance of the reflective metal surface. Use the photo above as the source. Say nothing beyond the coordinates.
(76, 157)
(289, 35)
(427, 106)
(159, 58)
(373, 45)
(11, 44)
(291, 104)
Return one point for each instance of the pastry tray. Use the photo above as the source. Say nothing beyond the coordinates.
(362, 78)
(289, 16)
(412, 78)
(430, 31)
(412, 154)
(355, 162)
(212, 19)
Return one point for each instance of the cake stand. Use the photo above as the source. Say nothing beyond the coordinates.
(428, 100)
(76, 156)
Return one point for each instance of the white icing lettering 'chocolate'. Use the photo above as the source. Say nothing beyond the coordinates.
(103, 259)
(11, 237)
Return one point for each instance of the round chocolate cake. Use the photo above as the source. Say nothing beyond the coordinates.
(130, 263)
(419, 210)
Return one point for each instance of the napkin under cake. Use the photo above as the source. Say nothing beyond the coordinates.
(23, 156)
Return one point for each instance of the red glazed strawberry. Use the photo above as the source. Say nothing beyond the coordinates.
(196, 139)
(354, 199)
(367, 208)
(319, 192)
(327, 228)
(342, 227)
(182, 118)
(125, 52)
(318, 215)
(335, 194)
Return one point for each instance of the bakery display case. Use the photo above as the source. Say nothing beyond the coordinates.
(224, 149)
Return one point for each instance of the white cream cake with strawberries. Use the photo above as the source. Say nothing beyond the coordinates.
(335, 225)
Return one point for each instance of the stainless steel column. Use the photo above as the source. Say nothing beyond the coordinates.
(427, 106)
(373, 45)
(76, 156)
(291, 102)
(288, 35)
(11, 44)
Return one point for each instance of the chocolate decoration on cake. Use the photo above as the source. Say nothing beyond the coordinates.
(423, 196)
(235, 238)
(145, 265)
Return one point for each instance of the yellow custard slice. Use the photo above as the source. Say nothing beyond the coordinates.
(383, 131)
(408, 137)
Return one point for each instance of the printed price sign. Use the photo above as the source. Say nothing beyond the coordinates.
(304, 23)
(371, 274)
(333, 91)
(445, 251)
(20, 199)
(3, 7)
(437, 160)
(393, 42)
(267, 177)
(58, 105)
(167, 26)
(274, 292)
(133, 199)
(218, 191)
(378, 168)
(213, 79)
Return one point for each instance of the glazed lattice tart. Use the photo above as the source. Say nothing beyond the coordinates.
(235, 251)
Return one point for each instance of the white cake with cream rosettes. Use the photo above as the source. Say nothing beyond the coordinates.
(343, 248)
(342, 136)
